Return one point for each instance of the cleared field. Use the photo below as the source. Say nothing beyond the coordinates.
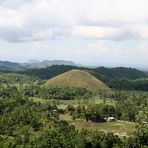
(66, 117)
(62, 104)
(115, 127)
(97, 100)
(75, 103)
(40, 100)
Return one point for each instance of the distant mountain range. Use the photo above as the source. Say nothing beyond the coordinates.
(46, 69)
(13, 66)
(46, 63)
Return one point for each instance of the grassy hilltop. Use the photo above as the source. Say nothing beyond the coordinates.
(77, 78)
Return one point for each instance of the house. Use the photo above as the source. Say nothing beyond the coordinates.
(144, 122)
(123, 134)
(110, 119)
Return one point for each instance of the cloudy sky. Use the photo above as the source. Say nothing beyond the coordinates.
(89, 32)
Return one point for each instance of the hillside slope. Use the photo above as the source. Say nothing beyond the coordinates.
(49, 72)
(10, 66)
(77, 78)
(14, 78)
(121, 72)
(118, 72)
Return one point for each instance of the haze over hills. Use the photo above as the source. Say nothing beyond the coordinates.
(13, 66)
(46, 63)
(77, 78)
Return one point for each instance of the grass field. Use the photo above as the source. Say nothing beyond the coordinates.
(115, 127)
(40, 100)
(64, 103)
(66, 117)
(75, 103)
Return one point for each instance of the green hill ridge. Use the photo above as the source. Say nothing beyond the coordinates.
(77, 78)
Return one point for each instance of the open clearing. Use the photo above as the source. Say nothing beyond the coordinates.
(62, 104)
(115, 127)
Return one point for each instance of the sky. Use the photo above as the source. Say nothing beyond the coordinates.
(88, 32)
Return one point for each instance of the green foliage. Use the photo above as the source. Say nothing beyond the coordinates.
(121, 72)
(140, 138)
(26, 123)
(49, 72)
(64, 93)
(93, 112)
(14, 78)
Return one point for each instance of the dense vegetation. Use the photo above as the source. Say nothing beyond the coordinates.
(121, 72)
(93, 112)
(117, 83)
(125, 84)
(26, 123)
(58, 93)
(30, 114)
(49, 72)
(116, 78)
(14, 78)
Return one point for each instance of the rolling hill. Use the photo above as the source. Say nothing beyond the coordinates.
(77, 78)
(46, 63)
(118, 72)
(121, 72)
(11, 66)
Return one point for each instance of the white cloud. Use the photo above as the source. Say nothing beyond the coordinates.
(10, 18)
(115, 12)
(32, 25)
(143, 50)
(97, 32)
(104, 19)
(15, 4)
(141, 30)
(38, 36)
(98, 47)
(135, 54)
(40, 45)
